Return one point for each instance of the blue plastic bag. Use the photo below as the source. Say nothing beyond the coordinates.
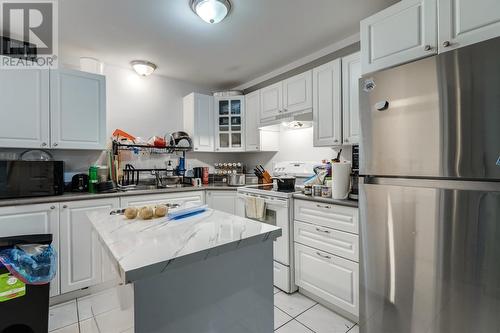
(32, 263)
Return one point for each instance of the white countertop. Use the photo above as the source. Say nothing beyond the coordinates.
(144, 248)
(75, 196)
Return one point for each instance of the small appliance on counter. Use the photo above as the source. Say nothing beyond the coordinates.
(31, 178)
(236, 179)
(80, 183)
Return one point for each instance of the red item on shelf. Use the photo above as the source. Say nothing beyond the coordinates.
(159, 142)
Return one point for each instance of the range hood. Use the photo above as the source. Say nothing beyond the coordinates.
(304, 117)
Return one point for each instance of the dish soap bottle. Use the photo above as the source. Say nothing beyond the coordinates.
(170, 169)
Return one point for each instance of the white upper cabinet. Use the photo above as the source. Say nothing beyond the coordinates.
(230, 124)
(252, 121)
(24, 95)
(297, 92)
(465, 22)
(271, 99)
(80, 248)
(78, 110)
(199, 121)
(351, 73)
(327, 104)
(401, 33)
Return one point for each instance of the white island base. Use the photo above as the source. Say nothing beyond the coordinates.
(210, 273)
(228, 293)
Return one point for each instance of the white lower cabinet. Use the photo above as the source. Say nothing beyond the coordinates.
(80, 255)
(33, 219)
(155, 199)
(342, 244)
(224, 201)
(327, 276)
(326, 243)
(337, 217)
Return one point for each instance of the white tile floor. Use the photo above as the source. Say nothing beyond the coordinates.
(111, 312)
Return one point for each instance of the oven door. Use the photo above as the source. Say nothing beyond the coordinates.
(277, 214)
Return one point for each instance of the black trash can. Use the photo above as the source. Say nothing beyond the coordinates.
(28, 313)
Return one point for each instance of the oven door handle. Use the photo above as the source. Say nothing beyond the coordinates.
(269, 201)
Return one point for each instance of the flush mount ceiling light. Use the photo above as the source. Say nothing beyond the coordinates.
(211, 11)
(143, 67)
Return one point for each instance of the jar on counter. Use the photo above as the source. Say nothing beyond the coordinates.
(308, 189)
(326, 192)
(317, 190)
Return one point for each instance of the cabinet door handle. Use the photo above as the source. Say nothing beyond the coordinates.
(65, 206)
(52, 207)
(44, 144)
(323, 256)
(427, 47)
(346, 140)
(321, 230)
(446, 43)
(323, 206)
(335, 140)
(55, 144)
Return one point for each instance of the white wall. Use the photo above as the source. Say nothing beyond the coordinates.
(145, 106)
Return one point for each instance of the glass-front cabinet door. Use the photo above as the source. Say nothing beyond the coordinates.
(229, 123)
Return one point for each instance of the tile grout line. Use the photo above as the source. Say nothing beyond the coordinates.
(77, 315)
(291, 318)
(63, 304)
(305, 326)
(295, 318)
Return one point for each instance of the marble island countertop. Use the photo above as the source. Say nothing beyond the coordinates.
(141, 248)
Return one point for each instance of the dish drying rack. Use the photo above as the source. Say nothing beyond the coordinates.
(117, 146)
(130, 176)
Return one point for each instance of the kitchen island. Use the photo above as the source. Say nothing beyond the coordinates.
(210, 272)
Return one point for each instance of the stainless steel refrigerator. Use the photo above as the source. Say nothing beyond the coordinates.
(430, 194)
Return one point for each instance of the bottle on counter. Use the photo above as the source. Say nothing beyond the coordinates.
(93, 179)
(170, 169)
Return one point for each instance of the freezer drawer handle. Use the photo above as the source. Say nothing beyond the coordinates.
(321, 230)
(321, 206)
(323, 256)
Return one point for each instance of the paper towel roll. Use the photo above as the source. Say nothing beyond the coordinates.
(341, 180)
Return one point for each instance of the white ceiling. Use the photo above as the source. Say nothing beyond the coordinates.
(257, 37)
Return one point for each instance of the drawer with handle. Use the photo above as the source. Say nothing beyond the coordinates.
(331, 216)
(329, 277)
(342, 244)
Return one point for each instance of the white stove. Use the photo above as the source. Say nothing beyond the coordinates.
(279, 212)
